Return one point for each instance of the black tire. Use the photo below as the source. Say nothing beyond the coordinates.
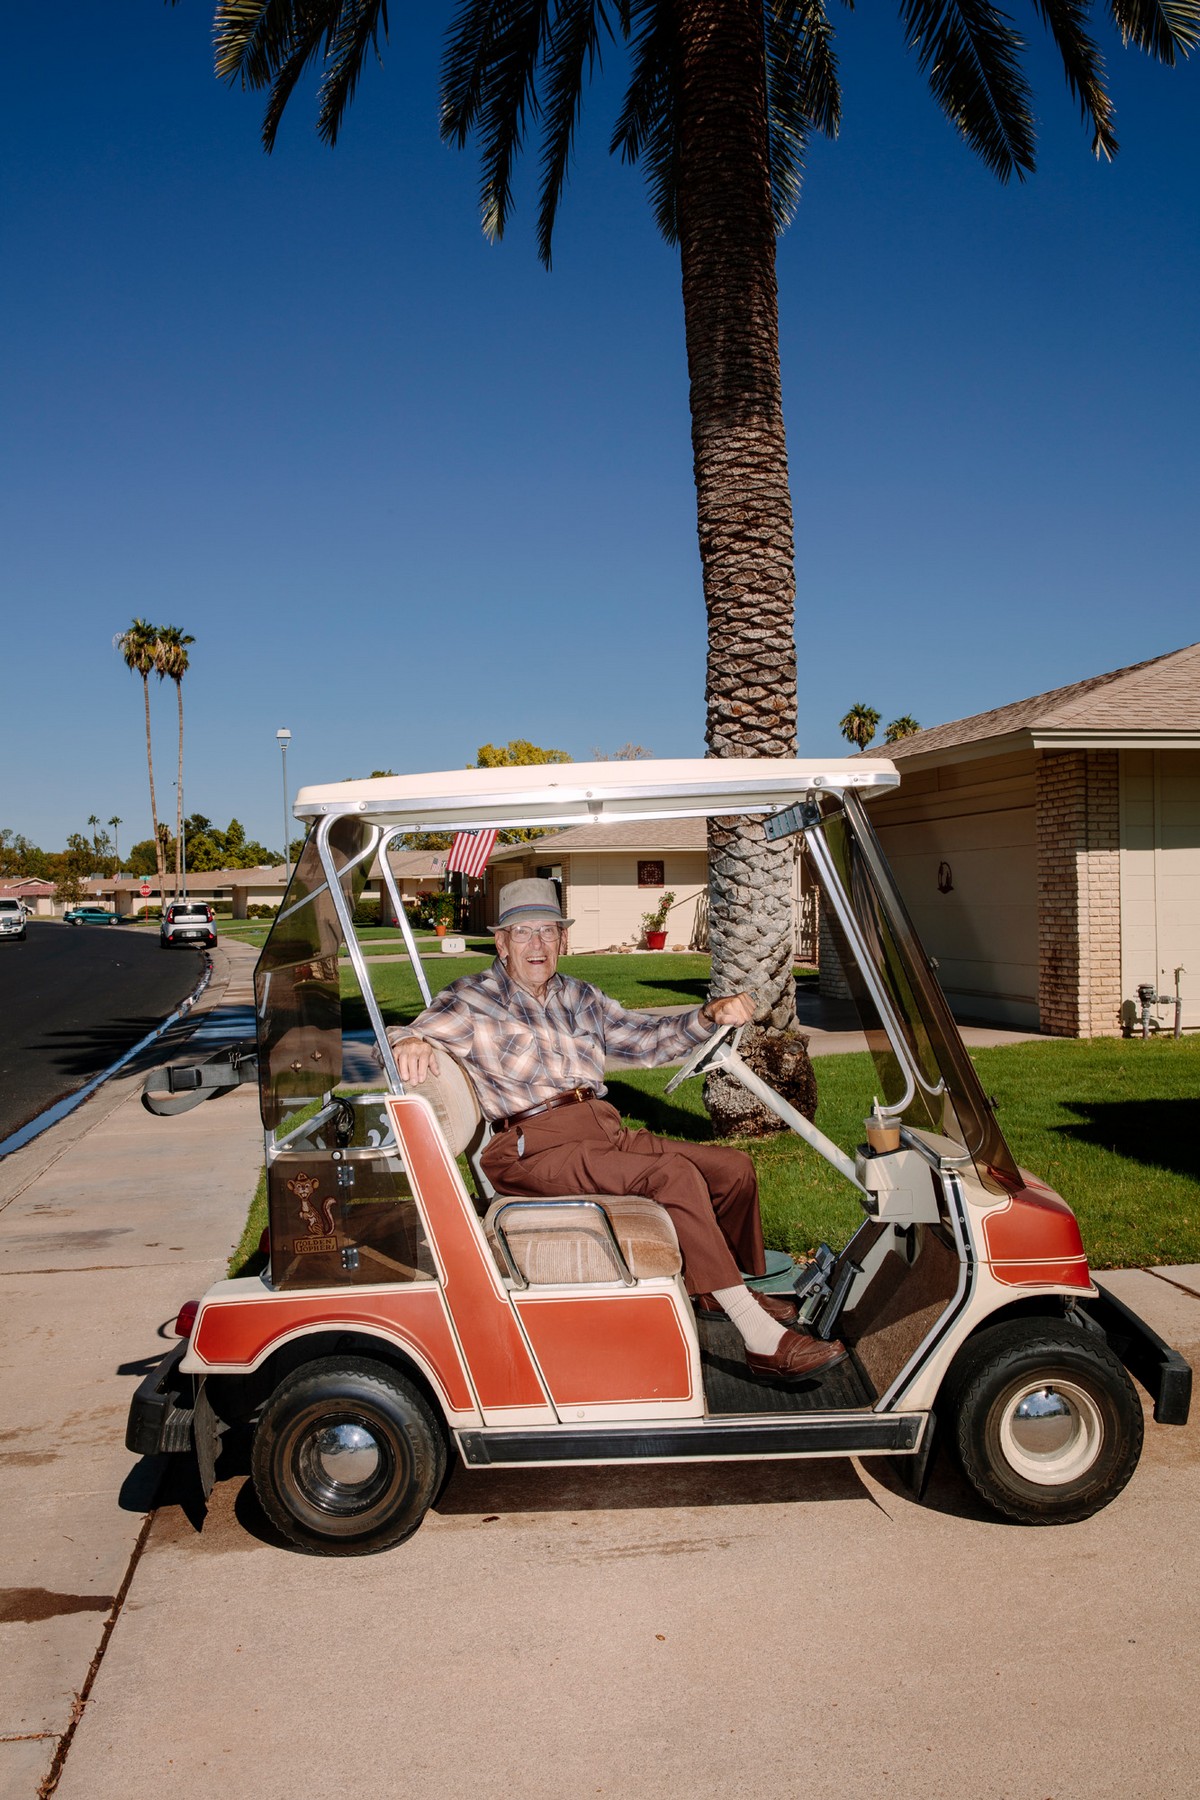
(338, 1417)
(1046, 1423)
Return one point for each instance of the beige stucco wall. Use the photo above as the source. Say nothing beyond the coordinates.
(977, 818)
(608, 904)
(601, 893)
(1160, 874)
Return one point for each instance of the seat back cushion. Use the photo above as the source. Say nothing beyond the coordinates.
(451, 1094)
(567, 1242)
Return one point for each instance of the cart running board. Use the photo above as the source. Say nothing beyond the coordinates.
(804, 1436)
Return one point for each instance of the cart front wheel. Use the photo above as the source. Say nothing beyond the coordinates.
(347, 1457)
(1048, 1424)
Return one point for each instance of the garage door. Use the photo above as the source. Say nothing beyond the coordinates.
(1160, 875)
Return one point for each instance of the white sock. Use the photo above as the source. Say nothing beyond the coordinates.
(761, 1332)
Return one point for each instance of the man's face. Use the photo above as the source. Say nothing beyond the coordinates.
(530, 953)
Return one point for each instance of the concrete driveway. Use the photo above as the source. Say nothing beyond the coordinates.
(745, 1629)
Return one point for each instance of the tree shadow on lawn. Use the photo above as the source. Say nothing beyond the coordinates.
(1163, 1134)
(697, 986)
(656, 1113)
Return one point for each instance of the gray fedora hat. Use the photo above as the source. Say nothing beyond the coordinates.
(531, 901)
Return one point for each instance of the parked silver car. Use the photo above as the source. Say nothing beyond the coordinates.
(187, 922)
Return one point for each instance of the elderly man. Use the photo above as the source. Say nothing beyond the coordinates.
(535, 1043)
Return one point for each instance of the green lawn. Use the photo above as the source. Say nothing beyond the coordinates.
(1111, 1124)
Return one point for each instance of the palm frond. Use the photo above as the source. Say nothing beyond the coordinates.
(358, 29)
(468, 52)
(270, 43)
(572, 50)
(1083, 67)
(254, 39)
(969, 51)
(802, 93)
(647, 129)
(1164, 29)
(508, 96)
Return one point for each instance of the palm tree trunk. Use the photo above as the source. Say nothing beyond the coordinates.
(744, 508)
(159, 859)
(179, 799)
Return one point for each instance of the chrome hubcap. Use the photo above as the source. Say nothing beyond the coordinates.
(343, 1467)
(347, 1455)
(1051, 1431)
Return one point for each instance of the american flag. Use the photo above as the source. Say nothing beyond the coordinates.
(470, 851)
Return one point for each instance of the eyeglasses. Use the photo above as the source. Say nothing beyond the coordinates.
(524, 934)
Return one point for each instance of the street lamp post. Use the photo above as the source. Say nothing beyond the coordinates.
(284, 738)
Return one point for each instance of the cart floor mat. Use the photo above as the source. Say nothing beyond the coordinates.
(729, 1387)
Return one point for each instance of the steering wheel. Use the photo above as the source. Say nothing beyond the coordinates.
(697, 1062)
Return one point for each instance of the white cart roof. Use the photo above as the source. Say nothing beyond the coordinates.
(563, 794)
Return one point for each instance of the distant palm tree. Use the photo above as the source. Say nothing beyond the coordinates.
(858, 726)
(94, 822)
(116, 824)
(904, 726)
(139, 647)
(171, 661)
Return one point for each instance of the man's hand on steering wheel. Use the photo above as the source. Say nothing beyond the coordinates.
(730, 1009)
(726, 1016)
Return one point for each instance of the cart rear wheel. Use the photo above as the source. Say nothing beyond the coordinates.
(1048, 1425)
(347, 1457)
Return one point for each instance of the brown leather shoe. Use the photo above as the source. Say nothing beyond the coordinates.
(798, 1358)
(780, 1306)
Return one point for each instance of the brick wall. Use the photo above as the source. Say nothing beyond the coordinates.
(1079, 904)
(831, 983)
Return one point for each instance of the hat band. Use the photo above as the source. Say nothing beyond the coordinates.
(516, 912)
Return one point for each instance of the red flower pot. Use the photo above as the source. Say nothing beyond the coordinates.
(656, 940)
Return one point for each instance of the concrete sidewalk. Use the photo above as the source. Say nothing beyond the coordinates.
(727, 1630)
(107, 1223)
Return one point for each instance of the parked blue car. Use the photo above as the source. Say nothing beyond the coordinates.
(90, 915)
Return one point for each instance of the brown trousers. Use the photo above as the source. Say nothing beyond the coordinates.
(710, 1192)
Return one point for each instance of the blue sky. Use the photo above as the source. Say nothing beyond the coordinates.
(411, 494)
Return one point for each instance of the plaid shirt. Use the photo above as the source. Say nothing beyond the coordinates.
(521, 1053)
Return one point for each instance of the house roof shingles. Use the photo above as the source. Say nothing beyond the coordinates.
(652, 836)
(1159, 698)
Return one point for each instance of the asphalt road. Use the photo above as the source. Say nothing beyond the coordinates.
(73, 999)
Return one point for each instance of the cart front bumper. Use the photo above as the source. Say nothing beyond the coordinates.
(170, 1414)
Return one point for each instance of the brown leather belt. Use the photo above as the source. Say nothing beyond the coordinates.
(576, 1096)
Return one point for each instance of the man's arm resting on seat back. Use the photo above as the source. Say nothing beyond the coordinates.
(444, 1021)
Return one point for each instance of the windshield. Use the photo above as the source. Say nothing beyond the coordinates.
(296, 981)
(946, 1097)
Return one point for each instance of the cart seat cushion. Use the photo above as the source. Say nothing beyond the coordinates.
(451, 1094)
(567, 1242)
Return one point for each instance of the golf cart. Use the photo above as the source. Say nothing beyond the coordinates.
(408, 1313)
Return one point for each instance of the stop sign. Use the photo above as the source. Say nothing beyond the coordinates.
(145, 893)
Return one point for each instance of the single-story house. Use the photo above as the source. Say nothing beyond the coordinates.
(1049, 851)
(36, 895)
(611, 874)
(239, 889)
(415, 872)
